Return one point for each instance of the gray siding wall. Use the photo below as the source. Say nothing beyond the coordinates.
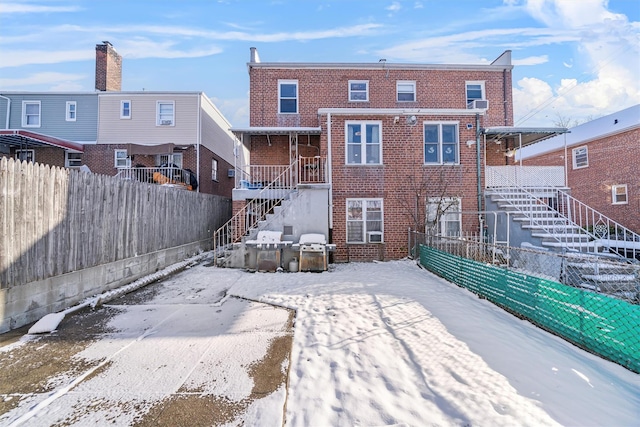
(53, 107)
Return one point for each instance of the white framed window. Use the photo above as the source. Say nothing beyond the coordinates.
(441, 143)
(121, 159)
(364, 143)
(125, 109)
(214, 170)
(359, 90)
(444, 215)
(30, 114)
(619, 194)
(165, 113)
(474, 90)
(365, 221)
(580, 157)
(169, 160)
(25, 155)
(70, 115)
(288, 96)
(72, 160)
(405, 91)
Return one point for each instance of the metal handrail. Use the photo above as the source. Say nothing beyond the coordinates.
(161, 175)
(251, 213)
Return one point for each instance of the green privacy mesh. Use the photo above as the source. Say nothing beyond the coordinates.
(598, 323)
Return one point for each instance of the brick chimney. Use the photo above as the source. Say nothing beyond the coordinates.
(108, 68)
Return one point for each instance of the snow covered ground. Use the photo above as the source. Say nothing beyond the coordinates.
(374, 344)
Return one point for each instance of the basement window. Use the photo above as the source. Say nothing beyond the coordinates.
(619, 194)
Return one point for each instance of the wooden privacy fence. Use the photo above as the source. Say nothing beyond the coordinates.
(55, 221)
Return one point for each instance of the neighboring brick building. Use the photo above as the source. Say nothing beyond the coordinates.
(393, 136)
(601, 160)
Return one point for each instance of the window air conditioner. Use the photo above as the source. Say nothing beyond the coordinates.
(479, 104)
(374, 236)
(166, 122)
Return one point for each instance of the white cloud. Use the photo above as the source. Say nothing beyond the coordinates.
(52, 80)
(15, 58)
(32, 8)
(531, 60)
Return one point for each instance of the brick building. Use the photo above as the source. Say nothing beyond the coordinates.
(601, 159)
(392, 143)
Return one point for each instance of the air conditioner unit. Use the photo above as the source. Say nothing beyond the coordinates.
(231, 173)
(166, 122)
(479, 104)
(374, 236)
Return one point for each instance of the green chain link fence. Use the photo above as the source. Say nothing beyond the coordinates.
(600, 323)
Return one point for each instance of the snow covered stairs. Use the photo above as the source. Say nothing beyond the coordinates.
(538, 210)
(599, 274)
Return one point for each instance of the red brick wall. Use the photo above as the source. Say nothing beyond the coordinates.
(613, 160)
(402, 145)
(45, 155)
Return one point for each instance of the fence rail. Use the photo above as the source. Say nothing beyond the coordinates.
(602, 316)
(54, 221)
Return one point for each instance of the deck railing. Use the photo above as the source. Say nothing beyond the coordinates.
(524, 176)
(306, 170)
(180, 178)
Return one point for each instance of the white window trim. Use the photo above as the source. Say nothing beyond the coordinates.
(406, 82)
(454, 209)
(30, 153)
(170, 159)
(68, 117)
(297, 97)
(614, 194)
(365, 232)
(67, 161)
(173, 115)
(214, 170)
(24, 114)
(363, 142)
(574, 160)
(474, 82)
(122, 116)
(116, 159)
(366, 91)
(441, 161)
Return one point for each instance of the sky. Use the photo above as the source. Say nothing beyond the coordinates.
(374, 344)
(575, 60)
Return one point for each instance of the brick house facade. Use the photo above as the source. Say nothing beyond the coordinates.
(601, 156)
(398, 104)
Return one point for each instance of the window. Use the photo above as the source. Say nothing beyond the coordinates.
(30, 114)
(71, 111)
(125, 109)
(364, 221)
(170, 160)
(214, 170)
(358, 90)
(444, 215)
(122, 160)
(165, 113)
(288, 96)
(72, 160)
(619, 194)
(475, 90)
(441, 143)
(25, 155)
(406, 91)
(580, 157)
(363, 143)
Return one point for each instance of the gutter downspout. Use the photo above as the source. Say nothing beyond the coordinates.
(329, 171)
(6, 126)
(478, 171)
(198, 144)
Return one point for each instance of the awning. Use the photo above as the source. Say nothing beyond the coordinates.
(24, 139)
(149, 149)
(525, 136)
(277, 130)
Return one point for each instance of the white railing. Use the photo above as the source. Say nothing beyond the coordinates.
(306, 170)
(180, 178)
(252, 213)
(569, 221)
(525, 176)
(313, 170)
